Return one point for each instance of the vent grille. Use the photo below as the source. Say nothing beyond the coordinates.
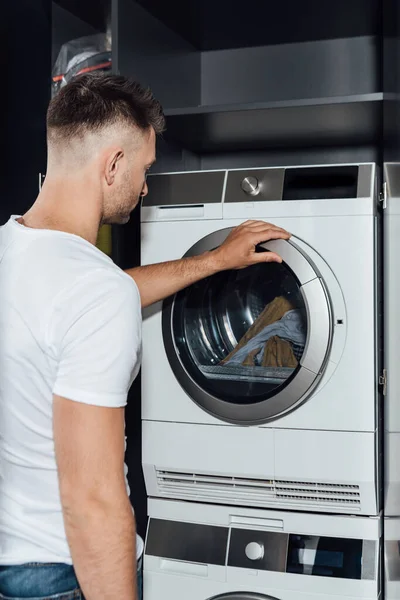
(256, 492)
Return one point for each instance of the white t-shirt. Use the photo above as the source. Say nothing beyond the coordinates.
(70, 324)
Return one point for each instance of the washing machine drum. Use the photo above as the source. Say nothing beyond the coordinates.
(247, 345)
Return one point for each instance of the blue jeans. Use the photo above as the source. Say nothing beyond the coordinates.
(45, 581)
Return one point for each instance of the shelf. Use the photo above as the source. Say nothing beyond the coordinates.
(298, 123)
(210, 25)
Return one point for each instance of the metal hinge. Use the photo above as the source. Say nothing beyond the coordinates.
(383, 195)
(41, 179)
(383, 381)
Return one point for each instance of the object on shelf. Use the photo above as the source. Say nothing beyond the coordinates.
(83, 55)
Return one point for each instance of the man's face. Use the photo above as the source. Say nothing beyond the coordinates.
(130, 182)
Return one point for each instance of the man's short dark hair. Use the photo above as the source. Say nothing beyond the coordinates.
(92, 101)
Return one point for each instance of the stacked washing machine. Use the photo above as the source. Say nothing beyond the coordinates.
(261, 391)
(392, 405)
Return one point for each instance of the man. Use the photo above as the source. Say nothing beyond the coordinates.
(70, 339)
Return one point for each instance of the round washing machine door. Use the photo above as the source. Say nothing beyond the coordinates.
(250, 345)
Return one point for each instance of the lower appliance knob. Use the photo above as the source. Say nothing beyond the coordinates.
(254, 551)
(251, 186)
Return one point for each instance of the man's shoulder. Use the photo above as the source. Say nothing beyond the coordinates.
(69, 249)
(68, 256)
(65, 266)
(87, 271)
(100, 298)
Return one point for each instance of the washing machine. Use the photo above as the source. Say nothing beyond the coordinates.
(260, 386)
(391, 219)
(206, 552)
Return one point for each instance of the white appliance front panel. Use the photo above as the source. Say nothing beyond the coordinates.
(345, 397)
(392, 474)
(183, 579)
(342, 526)
(322, 471)
(179, 586)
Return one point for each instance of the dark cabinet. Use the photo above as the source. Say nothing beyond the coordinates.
(32, 33)
(244, 85)
(264, 83)
(391, 81)
(25, 70)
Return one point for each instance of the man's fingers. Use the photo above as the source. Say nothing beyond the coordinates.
(247, 236)
(268, 232)
(258, 223)
(265, 235)
(252, 225)
(266, 257)
(264, 226)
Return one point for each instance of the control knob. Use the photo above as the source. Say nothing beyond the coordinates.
(251, 186)
(254, 551)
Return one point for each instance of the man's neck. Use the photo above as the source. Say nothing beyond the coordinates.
(64, 207)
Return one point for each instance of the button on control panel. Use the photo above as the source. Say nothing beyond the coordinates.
(251, 186)
(254, 551)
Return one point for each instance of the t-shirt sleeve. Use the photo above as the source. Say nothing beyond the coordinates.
(95, 337)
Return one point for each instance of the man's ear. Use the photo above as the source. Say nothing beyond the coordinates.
(113, 163)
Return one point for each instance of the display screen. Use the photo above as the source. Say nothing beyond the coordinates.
(320, 183)
(325, 556)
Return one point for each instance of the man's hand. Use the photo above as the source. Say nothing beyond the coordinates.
(239, 248)
(156, 282)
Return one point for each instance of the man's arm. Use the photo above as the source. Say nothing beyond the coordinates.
(94, 331)
(98, 517)
(156, 282)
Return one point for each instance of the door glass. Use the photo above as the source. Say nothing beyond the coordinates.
(240, 334)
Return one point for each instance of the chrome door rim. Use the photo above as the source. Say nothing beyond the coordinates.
(312, 362)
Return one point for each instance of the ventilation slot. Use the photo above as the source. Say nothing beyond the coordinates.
(257, 492)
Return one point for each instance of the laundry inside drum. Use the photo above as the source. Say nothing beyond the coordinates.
(242, 331)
